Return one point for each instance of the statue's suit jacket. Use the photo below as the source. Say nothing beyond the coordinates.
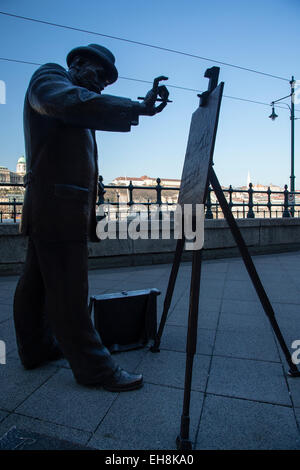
(60, 120)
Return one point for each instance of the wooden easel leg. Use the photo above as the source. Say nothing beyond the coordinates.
(182, 441)
(294, 372)
(169, 293)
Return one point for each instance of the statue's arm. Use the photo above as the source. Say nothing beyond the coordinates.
(51, 93)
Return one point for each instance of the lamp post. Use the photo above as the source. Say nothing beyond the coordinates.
(273, 116)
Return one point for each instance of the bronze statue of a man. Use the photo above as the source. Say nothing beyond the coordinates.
(62, 111)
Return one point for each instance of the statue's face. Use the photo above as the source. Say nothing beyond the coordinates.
(91, 75)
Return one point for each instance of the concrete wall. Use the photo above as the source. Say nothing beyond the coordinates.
(261, 236)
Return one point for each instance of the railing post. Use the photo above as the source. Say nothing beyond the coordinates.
(118, 207)
(230, 203)
(101, 191)
(100, 202)
(130, 189)
(158, 197)
(250, 214)
(15, 211)
(286, 212)
(269, 204)
(158, 192)
(209, 214)
(108, 212)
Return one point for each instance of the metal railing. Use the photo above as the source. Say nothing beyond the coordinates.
(244, 203)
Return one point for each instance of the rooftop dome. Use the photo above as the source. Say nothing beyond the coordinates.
(22, 159)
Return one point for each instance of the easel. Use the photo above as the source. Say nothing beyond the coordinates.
(182, 441)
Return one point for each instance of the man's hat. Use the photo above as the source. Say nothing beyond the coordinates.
(100, 53)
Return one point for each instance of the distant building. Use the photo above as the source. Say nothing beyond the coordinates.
(9, 194)
(8, 176)
(145, 181)
(21, 166)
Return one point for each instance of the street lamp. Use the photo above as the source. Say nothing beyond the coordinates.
(273, 116)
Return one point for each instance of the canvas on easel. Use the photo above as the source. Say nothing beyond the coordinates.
(200, 148)
(197, 174)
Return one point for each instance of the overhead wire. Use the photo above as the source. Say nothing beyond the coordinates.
(150, 82)
(144, 44)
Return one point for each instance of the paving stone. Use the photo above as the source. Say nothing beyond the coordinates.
(131, 360)
(242, 307)
(294, 386)
(207, 319)
(286, 309)
(272, 276)
(18, 384)
(237, 272)
(43, 427)
(297, 414)
(3, 415)
(174, 339)
(48, 400)
(210, 305)
(288, 318)
(244, 323)
(212, 275)
(6, 298)
(62, 401)
(268, 259)
(62, 363)
(240, 424)
(150, 273)
(212, 288)
(236, 290)
(244, 378)
(154, 421)
(281, 292)
(247, 344)
(7, 334)
(209, 289)
(6, 312)
(167, 368)
(108, 275)
(215, 266)
(98, 286)
(7, 279)
(133, 285)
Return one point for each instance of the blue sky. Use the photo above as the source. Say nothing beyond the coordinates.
(262, 35)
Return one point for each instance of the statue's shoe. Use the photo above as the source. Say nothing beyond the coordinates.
(122, 381)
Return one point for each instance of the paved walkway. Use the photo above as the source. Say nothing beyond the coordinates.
(241, 396)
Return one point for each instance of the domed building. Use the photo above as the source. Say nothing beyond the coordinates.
(21, 166)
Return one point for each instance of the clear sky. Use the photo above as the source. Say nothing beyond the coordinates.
(257, 34)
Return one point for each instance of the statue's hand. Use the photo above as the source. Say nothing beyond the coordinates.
(163, 93)
(148, 104)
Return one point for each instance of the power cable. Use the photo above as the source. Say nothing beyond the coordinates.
(174, 51)
(151, 82)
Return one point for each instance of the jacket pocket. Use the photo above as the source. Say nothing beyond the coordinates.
(71, 192)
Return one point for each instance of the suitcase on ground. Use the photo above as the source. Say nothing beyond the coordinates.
(125, 320)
